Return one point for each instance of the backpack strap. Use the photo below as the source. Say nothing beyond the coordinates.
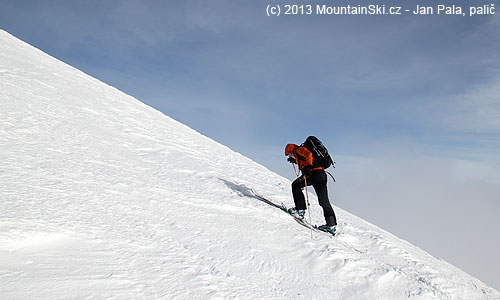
(331, 175)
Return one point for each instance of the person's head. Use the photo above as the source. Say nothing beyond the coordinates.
(289, 149)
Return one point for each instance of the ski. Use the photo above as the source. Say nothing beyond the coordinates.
(282, 207)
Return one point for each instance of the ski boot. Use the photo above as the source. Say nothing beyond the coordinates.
(297, 213)
(327, 228)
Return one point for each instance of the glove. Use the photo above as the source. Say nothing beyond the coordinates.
(291, 160)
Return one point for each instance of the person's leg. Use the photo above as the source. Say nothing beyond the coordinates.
(298, 196)
(319, 182)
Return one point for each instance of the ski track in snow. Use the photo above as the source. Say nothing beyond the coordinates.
(103, 197)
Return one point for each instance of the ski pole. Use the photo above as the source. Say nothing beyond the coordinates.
(307, 196)
(296, 173)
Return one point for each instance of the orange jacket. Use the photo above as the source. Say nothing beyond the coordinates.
(302, 155)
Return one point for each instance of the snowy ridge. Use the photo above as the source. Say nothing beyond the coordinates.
(104, 197)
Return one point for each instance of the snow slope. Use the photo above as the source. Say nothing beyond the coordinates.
(103, 197)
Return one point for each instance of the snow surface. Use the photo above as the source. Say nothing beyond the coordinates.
(103, 197)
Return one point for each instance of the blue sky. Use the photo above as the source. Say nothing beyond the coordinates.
(409, 105)
(226, 64)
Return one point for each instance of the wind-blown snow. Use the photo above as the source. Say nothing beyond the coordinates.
(104, 197)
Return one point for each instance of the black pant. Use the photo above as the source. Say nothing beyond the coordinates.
(318, 180)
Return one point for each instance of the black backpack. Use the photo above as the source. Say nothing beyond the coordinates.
(319, 152)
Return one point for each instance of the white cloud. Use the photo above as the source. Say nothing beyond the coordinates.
(478, 110)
